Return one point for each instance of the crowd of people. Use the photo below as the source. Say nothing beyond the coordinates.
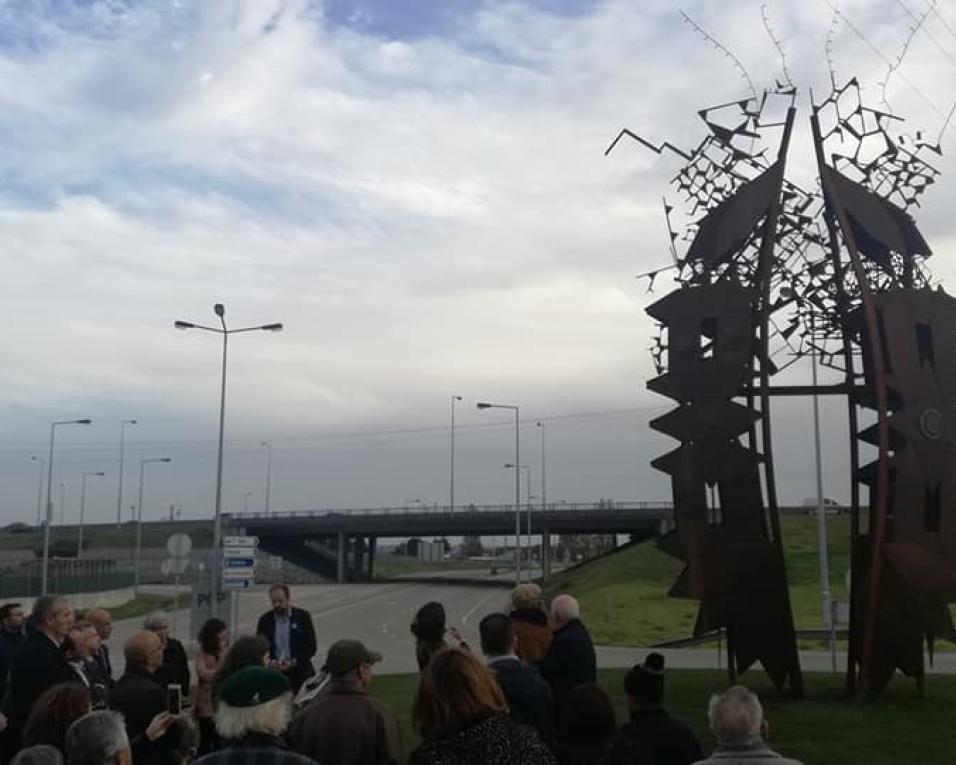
(527, 695)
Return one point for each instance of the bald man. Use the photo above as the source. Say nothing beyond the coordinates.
(570, 660)
(136, 694)
(100, 618)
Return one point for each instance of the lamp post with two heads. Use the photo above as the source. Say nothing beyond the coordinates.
(486, 405)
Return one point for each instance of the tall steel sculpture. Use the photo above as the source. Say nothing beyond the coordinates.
(770, 271)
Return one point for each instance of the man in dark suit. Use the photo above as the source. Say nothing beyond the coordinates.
(527, 693)
(291, 637)
(12, 634)
(100, 618)
(40, 663)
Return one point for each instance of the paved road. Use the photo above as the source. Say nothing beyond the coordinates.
(379, 615)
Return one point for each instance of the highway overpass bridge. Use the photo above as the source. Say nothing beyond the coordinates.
(341, 544)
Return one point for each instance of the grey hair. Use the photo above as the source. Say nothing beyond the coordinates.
(41, 754)
(96, 738)
(156, 621)
(566, 607)
(45, 606)
(736, 716)
(270, 718)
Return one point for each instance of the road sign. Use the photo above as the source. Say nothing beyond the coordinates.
(239, 552)
(237, 584)
(179, 545)
(240, 541)
(239, 573)
(239, 562)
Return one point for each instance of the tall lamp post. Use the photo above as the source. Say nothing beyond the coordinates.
(245, 501)
(220, 310)
(527, 538)
(79, 534)
(139, 517)
(485, 405)
(119, 492)
(268, 447)
(49, 499)
(41, 463)
(451, 494)
(544, 494)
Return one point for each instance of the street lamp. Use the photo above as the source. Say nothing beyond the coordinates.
(245, 501)
(268, 476)
(41, 463)
(527, 538)
(485, 405)
(220, 310)
(139, 518)
(544, 494)
(79, 534)
(451, 502)
(119, 492)
(49, 498)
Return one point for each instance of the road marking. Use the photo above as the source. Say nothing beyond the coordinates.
(479, 604)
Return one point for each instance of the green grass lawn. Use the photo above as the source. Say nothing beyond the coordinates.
(624, 595)
(823, 728)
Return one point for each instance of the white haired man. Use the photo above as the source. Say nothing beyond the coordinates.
(98, 738)
(175, 666)
(570, 660)
(738, 724)
(254, 710)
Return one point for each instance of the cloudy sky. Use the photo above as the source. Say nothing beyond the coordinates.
(418, 191)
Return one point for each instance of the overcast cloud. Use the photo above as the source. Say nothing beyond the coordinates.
(418, 191)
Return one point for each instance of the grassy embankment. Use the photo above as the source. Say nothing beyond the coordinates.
(624, 595)
(823, 728)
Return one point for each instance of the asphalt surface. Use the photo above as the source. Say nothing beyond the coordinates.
(380, 614)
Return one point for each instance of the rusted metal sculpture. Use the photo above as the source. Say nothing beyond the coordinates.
(772, 270)
(717, 327)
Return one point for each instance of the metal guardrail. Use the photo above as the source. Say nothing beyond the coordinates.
(456, 510)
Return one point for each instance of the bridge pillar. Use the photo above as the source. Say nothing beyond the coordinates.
(340, 560)
(357, 544)
(546, 555)
(372, 541)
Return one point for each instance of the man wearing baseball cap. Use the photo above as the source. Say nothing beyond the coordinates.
(344, 725)
(255, 706)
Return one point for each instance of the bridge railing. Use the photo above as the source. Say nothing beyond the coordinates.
(420, 509)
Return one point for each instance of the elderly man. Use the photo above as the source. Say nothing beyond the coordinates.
(100, 618)
(40, 663)
(141, 699)
(736, 718)
(344, 724)
(175, 666)
(527, 693)
(291, 637)
(98, 738)
(81, 643)
(255, 706)
(570, 660)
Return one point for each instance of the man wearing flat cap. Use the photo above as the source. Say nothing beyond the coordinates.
(255, 706)
(344, 725)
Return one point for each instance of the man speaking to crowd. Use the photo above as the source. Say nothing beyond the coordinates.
(291, 637)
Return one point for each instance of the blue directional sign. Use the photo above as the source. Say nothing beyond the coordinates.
(238, 562)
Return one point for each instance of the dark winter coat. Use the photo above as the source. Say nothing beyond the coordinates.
(40, 664)
(344, 724)
(570, 662)
(527, 693)
(175, 667)
(496, 740)
(668, 740)
(139, 698)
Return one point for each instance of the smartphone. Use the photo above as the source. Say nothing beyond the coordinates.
(174, 698)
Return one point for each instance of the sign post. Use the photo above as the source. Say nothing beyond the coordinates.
(237, 571)
(178, 546)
